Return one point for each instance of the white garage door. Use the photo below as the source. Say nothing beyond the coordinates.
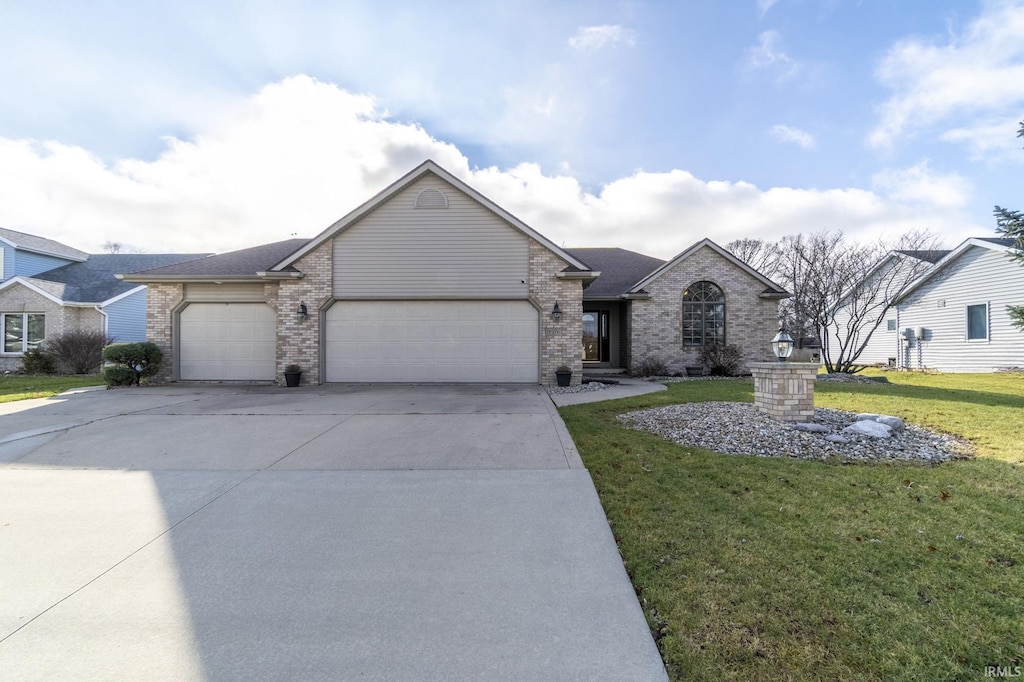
(227, 342)
(432, 341)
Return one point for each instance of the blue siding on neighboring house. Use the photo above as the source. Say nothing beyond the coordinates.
(28, 264)
(126, 319)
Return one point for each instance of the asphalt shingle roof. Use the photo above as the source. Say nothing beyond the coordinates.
(929, 256)
(246, 262)
(94, 281)
(1002, 241)
(620, 269)
(30, 242)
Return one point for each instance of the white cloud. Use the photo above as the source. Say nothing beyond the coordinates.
(764, 5)
(300, 154)
(989, 140)
(801, 138)
(975, 76)
(918, 184)
(768, 55)
(596, 37)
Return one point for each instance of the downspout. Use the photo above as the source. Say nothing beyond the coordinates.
(106, 320)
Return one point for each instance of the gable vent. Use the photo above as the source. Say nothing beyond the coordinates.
(431, 198)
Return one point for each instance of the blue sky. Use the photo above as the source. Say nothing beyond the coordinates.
(648, 125)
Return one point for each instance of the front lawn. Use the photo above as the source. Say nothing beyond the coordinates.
(22, 386)
(762, 568)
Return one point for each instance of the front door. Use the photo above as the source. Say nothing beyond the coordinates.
(595, 336)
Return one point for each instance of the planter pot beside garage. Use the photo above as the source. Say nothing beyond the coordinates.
(563, 376)
(292, 376)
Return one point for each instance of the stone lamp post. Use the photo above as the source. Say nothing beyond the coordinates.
(785, 390)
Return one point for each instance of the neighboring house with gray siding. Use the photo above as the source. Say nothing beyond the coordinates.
(48, 288)
(430, 281)
(954, 318)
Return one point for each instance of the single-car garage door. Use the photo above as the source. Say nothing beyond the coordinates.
(432, 341)
(227, 342)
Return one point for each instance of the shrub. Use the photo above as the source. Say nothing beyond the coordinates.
(721, 360)
(38, 361)
(650, 367)
(143, 359)
(79, 350)
(292, 368)
(120, 376)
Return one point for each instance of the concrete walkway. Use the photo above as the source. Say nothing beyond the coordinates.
(378, 533)
(626, 388)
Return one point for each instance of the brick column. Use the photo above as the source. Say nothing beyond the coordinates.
(785, 390)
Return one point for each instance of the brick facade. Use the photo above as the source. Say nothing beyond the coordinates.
(559, 341)
(298, 340)
(59, 319)
(657, 324)
(161, 302)
(785, 390)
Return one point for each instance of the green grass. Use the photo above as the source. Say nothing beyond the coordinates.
(22, 387)
(761, 568)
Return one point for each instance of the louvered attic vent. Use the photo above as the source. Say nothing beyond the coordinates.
(431, 198)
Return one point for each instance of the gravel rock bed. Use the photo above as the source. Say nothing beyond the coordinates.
(582, 388)
(742, 429)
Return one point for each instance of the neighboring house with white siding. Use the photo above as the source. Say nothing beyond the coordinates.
(954, 318)
(866, 315)
(48, 288)
(430, 281)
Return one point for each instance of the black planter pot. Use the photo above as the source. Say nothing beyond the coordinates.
(564, 378)
(291, 379)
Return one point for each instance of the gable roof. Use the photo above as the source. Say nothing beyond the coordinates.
(406, 180)
(242, 264)
(46, 247)
(772, 290)
(620, 270)
(928, 255)
(999, 244)
(95, 280)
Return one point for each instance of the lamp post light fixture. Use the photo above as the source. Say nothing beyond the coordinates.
(782, 345)
(556, 313)
(303, 311)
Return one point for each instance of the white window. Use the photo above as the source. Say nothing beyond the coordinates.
(23, 331)
(977, 322)
(890, 325)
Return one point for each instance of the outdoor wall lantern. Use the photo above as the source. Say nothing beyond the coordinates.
(556, 312)
(782, 345)
(303, 311)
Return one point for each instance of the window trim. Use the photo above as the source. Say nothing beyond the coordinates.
(967, 323)
(24, 332)
(703, 305)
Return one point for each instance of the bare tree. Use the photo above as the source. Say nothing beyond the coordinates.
(842, 291)
(112, 246)
(759, 254)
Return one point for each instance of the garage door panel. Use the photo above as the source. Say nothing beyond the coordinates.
(432, 341)
(227, 342)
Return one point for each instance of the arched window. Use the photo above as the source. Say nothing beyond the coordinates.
(703, 315)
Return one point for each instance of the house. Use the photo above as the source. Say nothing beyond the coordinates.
(430, 281)
(643, 308)
(954, 318)
(864, 316)
(48, 288)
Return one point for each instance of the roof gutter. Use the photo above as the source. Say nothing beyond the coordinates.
(178, 279)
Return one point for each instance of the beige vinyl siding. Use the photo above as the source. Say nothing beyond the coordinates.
(979, 276)
(226, 292)
(399, 251)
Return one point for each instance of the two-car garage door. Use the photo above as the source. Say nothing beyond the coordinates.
(432, 341)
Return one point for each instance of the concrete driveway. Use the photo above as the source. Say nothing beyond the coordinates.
(373, 533)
